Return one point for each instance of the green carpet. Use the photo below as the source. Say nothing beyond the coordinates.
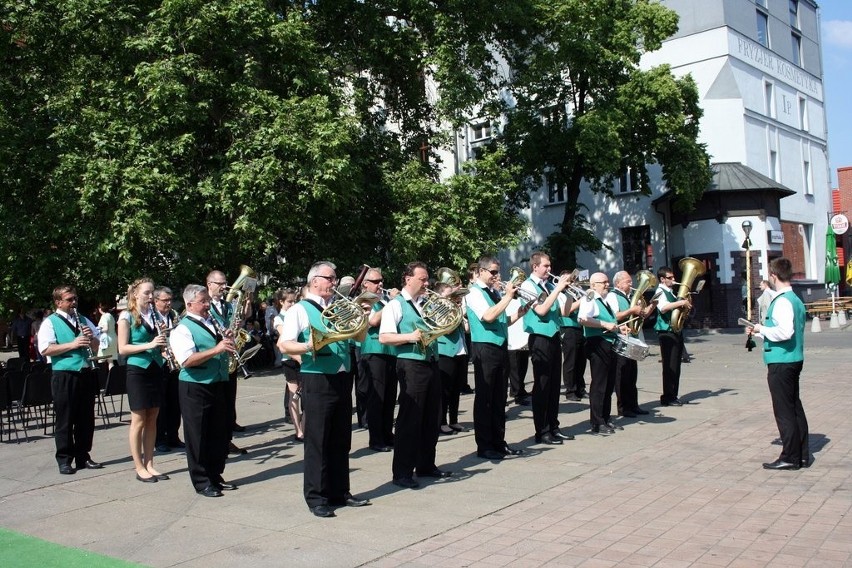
(19, 550)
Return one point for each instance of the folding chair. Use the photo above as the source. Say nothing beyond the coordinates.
(6, 409)
(116, 385)
(37, 397)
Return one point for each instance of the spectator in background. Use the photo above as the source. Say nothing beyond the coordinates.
(109, 339)
(21, 330)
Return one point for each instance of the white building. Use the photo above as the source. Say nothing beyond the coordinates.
(758, 68)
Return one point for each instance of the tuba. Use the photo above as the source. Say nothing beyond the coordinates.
(343, 319)
(645, 280)
(690, 268)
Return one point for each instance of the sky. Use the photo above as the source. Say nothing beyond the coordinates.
(836, 18)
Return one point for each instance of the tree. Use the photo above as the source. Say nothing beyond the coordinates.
(584, 109)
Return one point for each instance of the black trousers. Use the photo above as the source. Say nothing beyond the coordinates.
(671, 350)
(601, 362)
(419, 417)
(783, 379)
(379, 372)
(206, 430)
(232, 402)
(519, 362)
(327, 406)
(490, 373)
(453, 375)
(168, 420)
(546, 356)
(626, 378)
(362, 386)
(74, 405)
(23, 342)
(573, 361)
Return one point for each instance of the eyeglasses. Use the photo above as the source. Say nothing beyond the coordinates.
(605, 283)
(492, 272)
(379, 281)
(202, 302)
(218, 283)
(669, 277)
(165, 300)
(329, 278)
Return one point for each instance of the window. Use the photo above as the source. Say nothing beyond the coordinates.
(629, 179)
(555, 191)
(773, 164)
(794, 14)
(762, 29)
(797, 48)
(808, 181)
(637, 252)
(769, 99)
(480, 131)
(761, 3)
(803, 113)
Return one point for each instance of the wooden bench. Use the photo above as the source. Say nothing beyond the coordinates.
(823, 308)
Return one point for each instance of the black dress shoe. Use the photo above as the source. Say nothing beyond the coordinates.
(448, 432)
(490, 455)
(299, 439)
(152, 479)
(90, 464)
(66, 469)
(350, 500)
(406, 483)
(641, 411)
(673, 402)
(522, 401)
(510, 451)
(163, 448)
(559, 435)
(602, 429)
(572, 398)
(238, 428)
(548, 439)
(782, 465)
(627, 414)
(459, 428)
(805, 463)
(234, 450)
(210, 491)
(225, 486)
(436, 473)
(322, 511)
(614, 427)
(177, 444)
(380, 448)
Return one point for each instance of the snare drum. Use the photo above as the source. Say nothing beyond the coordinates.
(630, 347)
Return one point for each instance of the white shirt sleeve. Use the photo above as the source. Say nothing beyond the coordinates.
(588, 308)
(662, 299)
(391, 316)
(295, 321)
(612, 302)
(476, 301)
(181, 342)
(782, 320)
(46, 335)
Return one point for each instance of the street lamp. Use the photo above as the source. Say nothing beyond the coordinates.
(750, 344)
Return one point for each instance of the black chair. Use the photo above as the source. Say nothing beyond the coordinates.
(7, 424)
(15, 380)
(14, 363)
(37, 398)
(116, 385)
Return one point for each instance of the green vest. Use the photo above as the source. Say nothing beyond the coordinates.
(223, 320)
(792, 350)
(371, 344)
(140, 334)
(495, 332)
(411, 321)
(74, 360)
(603, 315)
(448, 345)
(329, 359)
(664, 320)
(623, 301)
(547, 325)
(571, 320)
(215, 369)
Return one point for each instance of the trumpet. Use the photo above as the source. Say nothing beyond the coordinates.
(162, 331)
(575, 291)
(517, 277)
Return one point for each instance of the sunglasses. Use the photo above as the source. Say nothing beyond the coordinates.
(379, 281)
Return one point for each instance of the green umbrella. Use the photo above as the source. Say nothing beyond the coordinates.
(832, 269)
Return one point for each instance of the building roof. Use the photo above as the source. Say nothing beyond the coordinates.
(736, 177)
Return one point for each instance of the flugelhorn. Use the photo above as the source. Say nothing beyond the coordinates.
(517, 277)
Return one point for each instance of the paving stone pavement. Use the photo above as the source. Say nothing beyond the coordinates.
(680, 487)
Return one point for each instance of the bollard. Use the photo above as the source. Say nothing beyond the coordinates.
(815, 327)
(841, 317)
(834, 323)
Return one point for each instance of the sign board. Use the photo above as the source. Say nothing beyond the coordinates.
(775, 237)
(839, 224)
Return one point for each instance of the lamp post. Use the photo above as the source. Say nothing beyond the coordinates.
(750, 344)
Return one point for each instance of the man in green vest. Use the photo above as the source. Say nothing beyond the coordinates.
(489, 328)
(542, 323)
(68, 339)
(671, 341)
(419, 417)
(326, 395)
(202, 348)
(626, 369)
(784, 354)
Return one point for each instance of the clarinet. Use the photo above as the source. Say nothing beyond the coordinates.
(90, 355)
(168, 354)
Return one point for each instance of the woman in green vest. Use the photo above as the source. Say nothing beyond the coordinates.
(140, 341)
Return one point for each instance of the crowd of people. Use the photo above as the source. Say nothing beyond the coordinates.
(407, 372)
